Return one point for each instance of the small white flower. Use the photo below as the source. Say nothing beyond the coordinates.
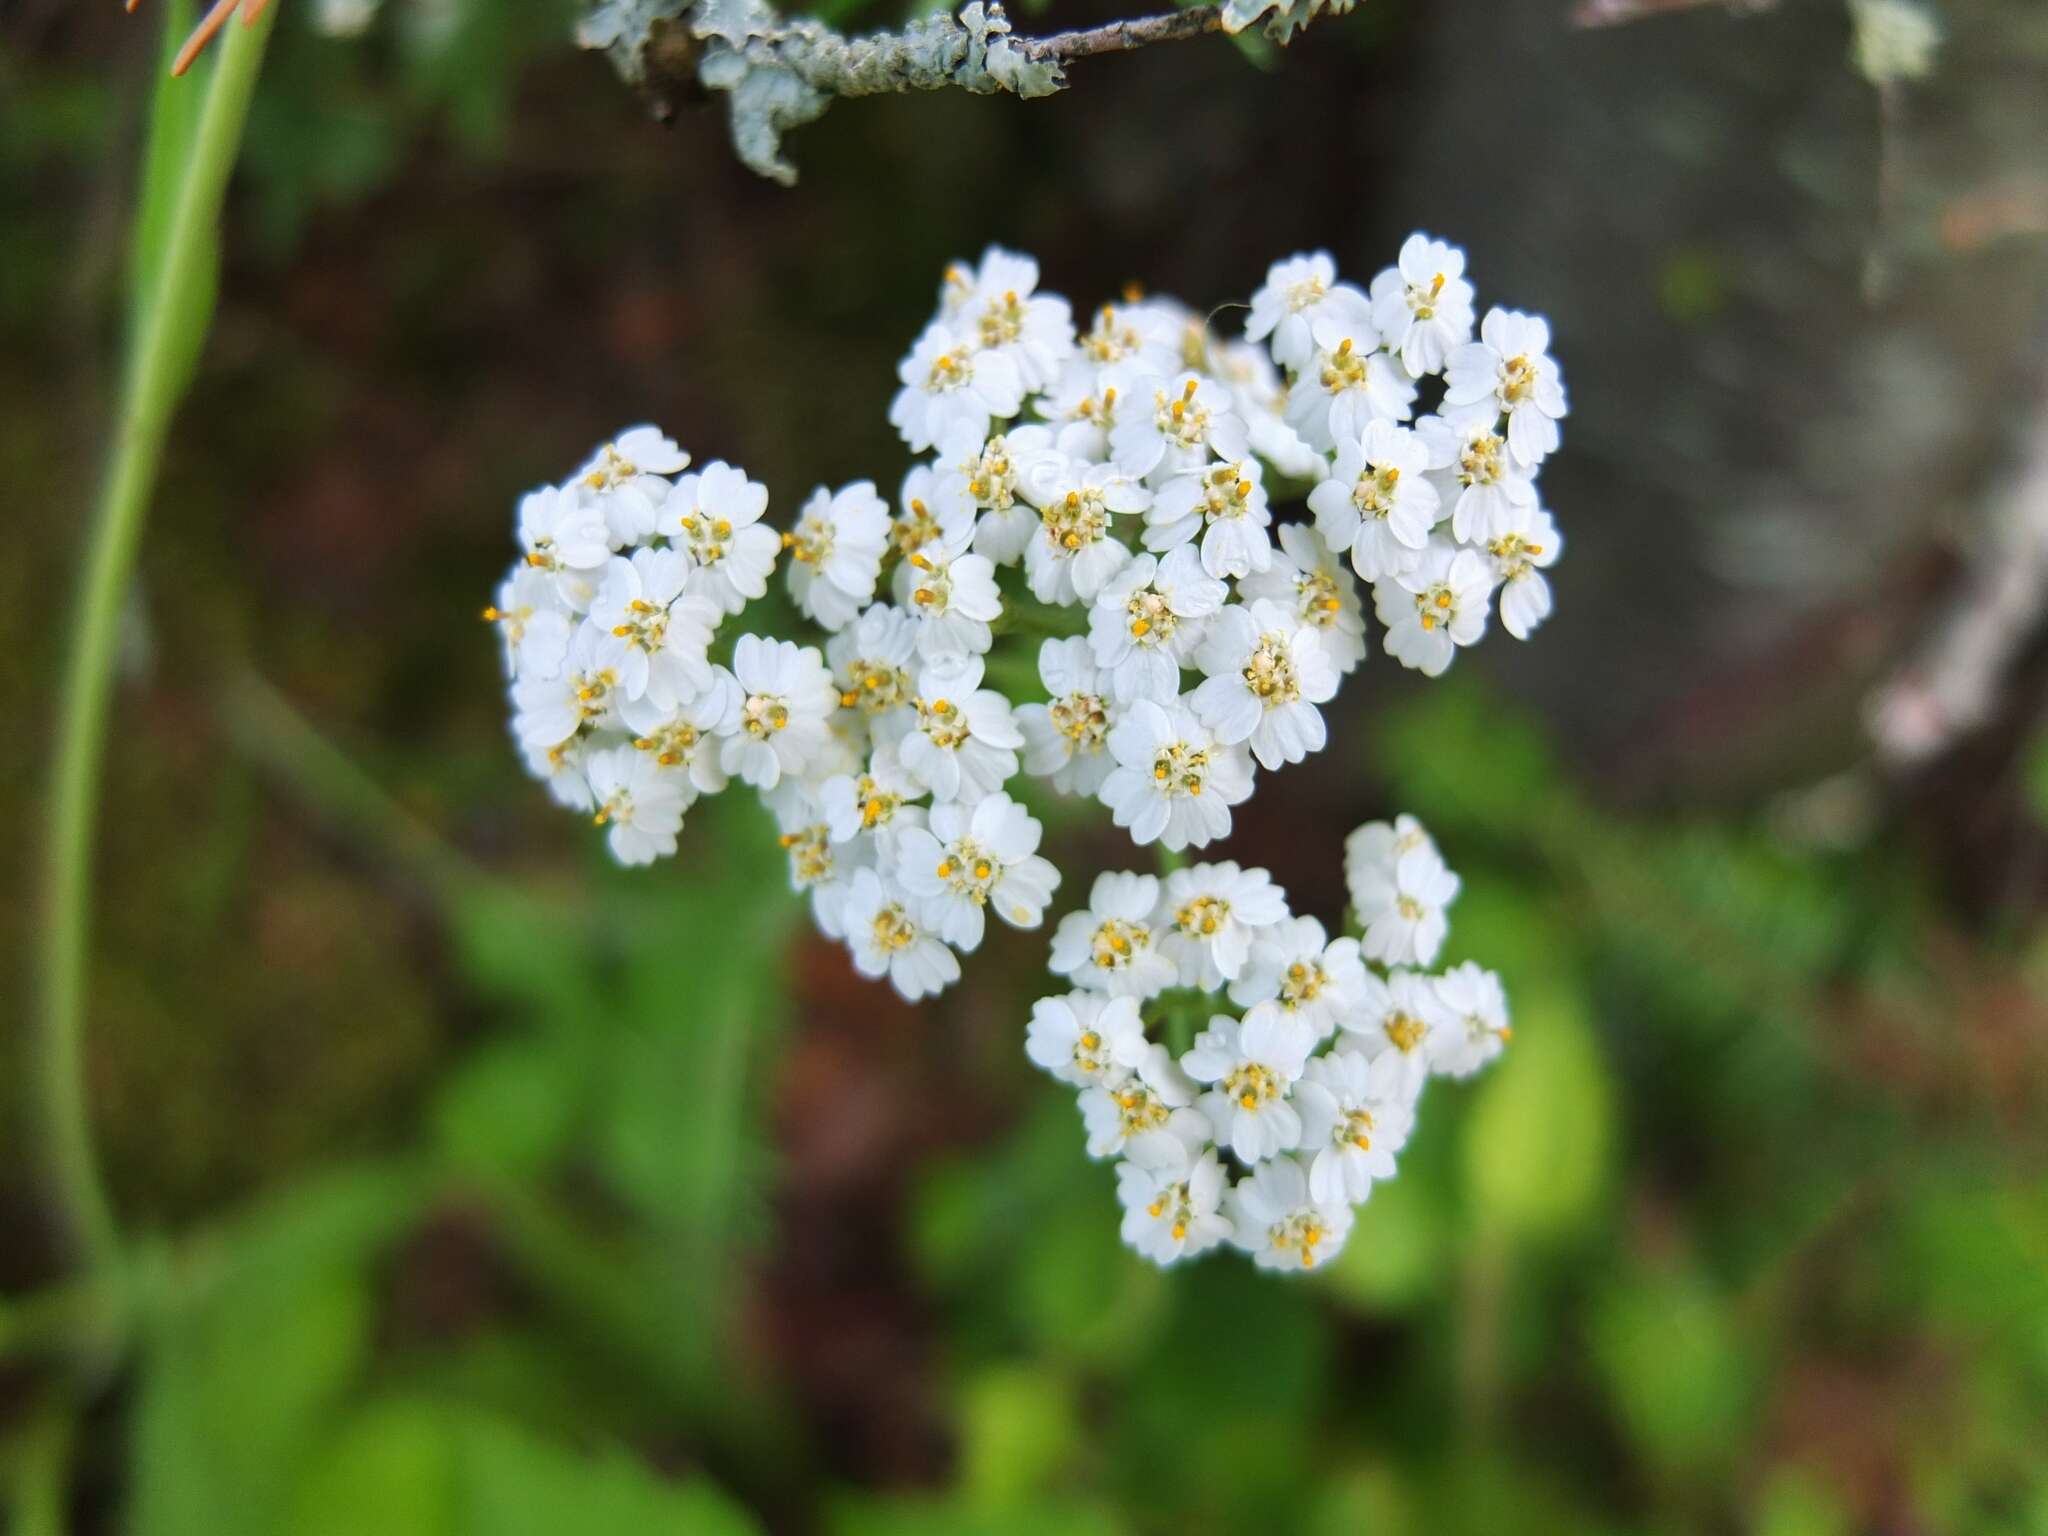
(1436, 607)
(1422, 305)
(1089, 403)
(1372, 850)
(1348, 384)
(999, 310)
(714, 517)
(1212, 913)
(1075, 551)
(584, 694)
(875, 802)
(1067, 738)
(1275, 1219)
(1399, 887)
(1521, 551)
(1111, 946)
(964, 743)
(1148, 621)
(950, 595)
(1488, 483)
(934, 507)
(1172, 1201)
(787, 696)
(1511, 369)
(1261, 399)
(1138, 1110)
(887, 941)
(1173, 783)
(972, 858)
(1402, 1017)
(988, 471)
(1378, 502)
(1313, 582)
(837, 552)
(561, 768)
(1355, 1115)
(950, 385)
(1302, 971)
(1076, 1037)
(682, 739)
(872, 659)
(1188, 418)
(1297, 293)
(818, 868)
(655, 637)
(1226, 505)
(1252, 1067)
(640, 806)
(1477, 1027)
(565, 539)
(1265, 674)
(532, 623)
(622, 481)
(1142, 336)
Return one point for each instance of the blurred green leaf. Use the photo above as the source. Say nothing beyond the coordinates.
(517, 947)
(1797, 1503)
(2037, 777)
(509, 1109)
(1675, 1369)
(414, 1468)
(1372, 1501)
(242, 1371)
(1538, 1130)
(1398, 1250)
(1017, 1427)
(947, 1517)
(1462, 760)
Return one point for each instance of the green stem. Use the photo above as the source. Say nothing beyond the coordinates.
(42, 1470)
(156, 376)
(274, 736)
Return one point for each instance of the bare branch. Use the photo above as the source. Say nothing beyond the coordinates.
(1955, 680)
(1121, 36)
(1612, 13)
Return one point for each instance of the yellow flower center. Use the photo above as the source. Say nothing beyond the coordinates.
(1116, 941)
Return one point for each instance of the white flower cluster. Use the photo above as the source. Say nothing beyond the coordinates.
(1308, 1086)
(1105, 492)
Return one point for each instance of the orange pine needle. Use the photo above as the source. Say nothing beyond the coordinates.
(202, 34)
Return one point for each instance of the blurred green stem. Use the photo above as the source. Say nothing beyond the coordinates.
(158, 370)
(272, 734)
(1481, 1361)
(42, 1471)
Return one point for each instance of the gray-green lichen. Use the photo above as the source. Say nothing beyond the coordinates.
(777, 74)
(1287, 18)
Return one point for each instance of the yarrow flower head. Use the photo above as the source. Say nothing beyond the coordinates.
(1274, 1125)
(1118, 509)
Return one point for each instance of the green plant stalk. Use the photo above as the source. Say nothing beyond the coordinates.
(155, 380)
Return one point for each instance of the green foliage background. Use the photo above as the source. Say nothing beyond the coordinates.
(477, 1186)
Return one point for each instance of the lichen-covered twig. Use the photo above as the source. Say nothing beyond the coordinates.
(778, 73)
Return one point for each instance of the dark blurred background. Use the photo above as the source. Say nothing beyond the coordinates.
(483, 1187)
